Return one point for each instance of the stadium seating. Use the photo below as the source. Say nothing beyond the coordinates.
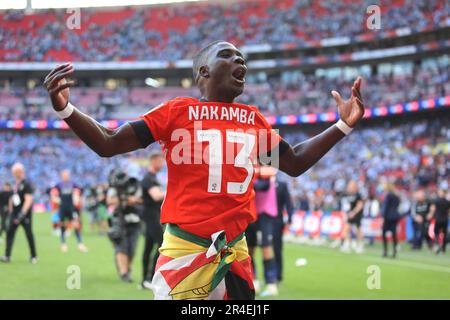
(175, 32)
(416, 154)
(296, 94)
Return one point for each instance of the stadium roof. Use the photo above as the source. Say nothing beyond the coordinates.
(43, 4)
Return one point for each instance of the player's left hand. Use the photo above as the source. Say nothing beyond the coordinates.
(352, 110)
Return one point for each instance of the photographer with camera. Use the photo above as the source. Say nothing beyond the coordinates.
(124, 196)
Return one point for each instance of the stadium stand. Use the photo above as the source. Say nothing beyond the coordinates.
(416, 153)
(290, 92)
(176, 32)
(408, 151)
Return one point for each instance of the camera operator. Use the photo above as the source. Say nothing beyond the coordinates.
(125, 197)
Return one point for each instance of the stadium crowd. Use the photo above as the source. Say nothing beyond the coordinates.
(291, 92)
(415, 155)
(175, 32)
(386, 169)
(58, 153)
(298, 93)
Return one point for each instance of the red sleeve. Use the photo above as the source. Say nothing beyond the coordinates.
(268, 138)
(158, 122)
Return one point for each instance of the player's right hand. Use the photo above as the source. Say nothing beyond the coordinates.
(57, 85)
(352, 110)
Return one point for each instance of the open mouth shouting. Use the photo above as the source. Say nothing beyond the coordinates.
(239, 74)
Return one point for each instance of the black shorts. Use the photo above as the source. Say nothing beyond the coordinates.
(127, 244)
(356, 220)
(440, 225)
(390, 225)
(251, 234)
(66, 214)
(153, 228)
(265, 224)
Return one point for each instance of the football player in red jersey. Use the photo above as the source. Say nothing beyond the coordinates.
(210, 146)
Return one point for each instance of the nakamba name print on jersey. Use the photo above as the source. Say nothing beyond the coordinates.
(206, 112)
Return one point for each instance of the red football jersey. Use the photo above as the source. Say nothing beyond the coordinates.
(210, 149)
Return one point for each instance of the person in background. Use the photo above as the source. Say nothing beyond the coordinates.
(54, 203)
(92, 208)
(5, 194)
(440, 210)
(303, 201)
(102, 211)
(420, 211)
(371, 209)
(20, 207)
(266, 210)
(125, 206)
(153, 197)
(390, 215)
(69, 199)
(352, 205)
(284, 202)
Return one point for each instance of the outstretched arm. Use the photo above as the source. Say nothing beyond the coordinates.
(295, 160)
(104, 141)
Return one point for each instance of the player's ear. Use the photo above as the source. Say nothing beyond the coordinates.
(204, 71)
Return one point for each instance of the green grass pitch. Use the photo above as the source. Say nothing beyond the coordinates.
(328, 274)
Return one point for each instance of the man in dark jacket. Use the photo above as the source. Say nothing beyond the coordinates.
(5, 194)
(420, 210)
(440, 210)
(391, 217)
(283, 202)
(153, 195)
(20, 208)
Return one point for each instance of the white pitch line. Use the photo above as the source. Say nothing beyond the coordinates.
(409, 264)
(400, 263)
(417, 259)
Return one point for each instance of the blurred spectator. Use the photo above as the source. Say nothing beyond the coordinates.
(391, 216)
(5, 195)
(440, 211)
(415, 153)
(174, 32)
(290, 92)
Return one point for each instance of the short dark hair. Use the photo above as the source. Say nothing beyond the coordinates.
(200, 58)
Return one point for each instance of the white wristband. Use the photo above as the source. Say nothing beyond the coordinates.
(66, 112)
(343, 127)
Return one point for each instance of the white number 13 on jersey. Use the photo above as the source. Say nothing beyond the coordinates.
(242, 159)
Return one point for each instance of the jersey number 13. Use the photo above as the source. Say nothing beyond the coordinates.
(242, 160)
